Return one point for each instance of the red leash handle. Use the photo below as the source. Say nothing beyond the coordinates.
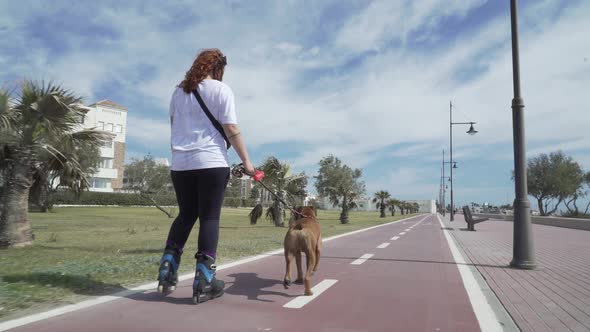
(258, 175)
(239, 172)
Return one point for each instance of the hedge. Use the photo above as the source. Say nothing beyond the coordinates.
(125, 199)
(106, 198)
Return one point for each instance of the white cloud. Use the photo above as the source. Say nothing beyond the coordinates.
(148, 133)
(384, 21)
(395, 96)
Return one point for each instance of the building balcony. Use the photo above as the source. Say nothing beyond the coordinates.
(108, 173)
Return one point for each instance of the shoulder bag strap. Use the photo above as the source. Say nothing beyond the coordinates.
(214, 121)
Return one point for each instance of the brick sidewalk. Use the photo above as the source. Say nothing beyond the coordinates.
(555, 296)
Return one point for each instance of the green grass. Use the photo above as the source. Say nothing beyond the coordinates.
(92, 251)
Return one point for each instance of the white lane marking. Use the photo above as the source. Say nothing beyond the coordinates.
(383, 245)
(362, 259)
(483, 311)
(11, 324)
(300, 301)
(394, 238)
(402, 233)
(407, 230)
(354, 232)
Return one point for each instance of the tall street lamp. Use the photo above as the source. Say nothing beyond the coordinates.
(452, 165)
(443, 186)
(523, 255)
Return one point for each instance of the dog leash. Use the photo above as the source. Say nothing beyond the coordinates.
(239, 172)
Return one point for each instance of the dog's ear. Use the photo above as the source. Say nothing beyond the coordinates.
(314, 211)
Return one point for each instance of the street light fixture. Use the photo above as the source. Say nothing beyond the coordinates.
(472, 132)
(523, 254)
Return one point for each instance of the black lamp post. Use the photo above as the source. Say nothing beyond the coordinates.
(452, 165)
(443, 186)
(523, 255)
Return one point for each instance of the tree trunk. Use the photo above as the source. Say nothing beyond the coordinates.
(540, 204)
(15, 228)
(278, 214)
(554, 208)
(44, 196)
(344, 213)
(382, 209)
(151, 199)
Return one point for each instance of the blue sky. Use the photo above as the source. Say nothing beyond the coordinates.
(367, 81)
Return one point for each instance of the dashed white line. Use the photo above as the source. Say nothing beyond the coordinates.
(383, 245)
(407, 230)
(362, 259)
(402, 233)
(300, 301)
(394, 238)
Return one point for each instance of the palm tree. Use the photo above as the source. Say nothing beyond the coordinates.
(392, 203)
(415, 207)
(290, 188)
(58, 170)
(382, 197)
(30, 127)
(347, 203)
(401, 205)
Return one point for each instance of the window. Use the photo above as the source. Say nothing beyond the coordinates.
(106, 163)
(109, 127)
(99, 183)
(100, 125)
(108, 144)
(119, 128)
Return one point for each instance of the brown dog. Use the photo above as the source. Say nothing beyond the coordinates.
(303, 236)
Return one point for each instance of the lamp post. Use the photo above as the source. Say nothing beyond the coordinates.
(452, 165)
(523, 256)
(443, 186)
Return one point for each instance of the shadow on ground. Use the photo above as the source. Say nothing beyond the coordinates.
(248, 285)
(252, 287)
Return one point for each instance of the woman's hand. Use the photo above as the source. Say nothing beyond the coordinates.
(249, 168)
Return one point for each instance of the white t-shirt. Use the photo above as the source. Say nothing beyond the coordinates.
(195, 142)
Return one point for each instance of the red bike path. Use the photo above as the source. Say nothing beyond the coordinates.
(409, 284)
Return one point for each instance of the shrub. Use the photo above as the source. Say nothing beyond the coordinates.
(104, 198)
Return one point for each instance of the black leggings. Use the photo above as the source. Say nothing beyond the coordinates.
(200, 195)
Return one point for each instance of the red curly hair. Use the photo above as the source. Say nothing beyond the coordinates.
(208, 62)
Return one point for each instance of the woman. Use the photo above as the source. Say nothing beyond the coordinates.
(200, 169)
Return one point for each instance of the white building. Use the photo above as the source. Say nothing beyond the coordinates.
(426, 205)
(112, 118)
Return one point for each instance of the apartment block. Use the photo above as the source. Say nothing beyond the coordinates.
(110, 117)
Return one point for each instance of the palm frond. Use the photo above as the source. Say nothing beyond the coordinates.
(255, 214)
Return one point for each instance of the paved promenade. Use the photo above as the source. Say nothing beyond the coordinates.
(555, 296)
